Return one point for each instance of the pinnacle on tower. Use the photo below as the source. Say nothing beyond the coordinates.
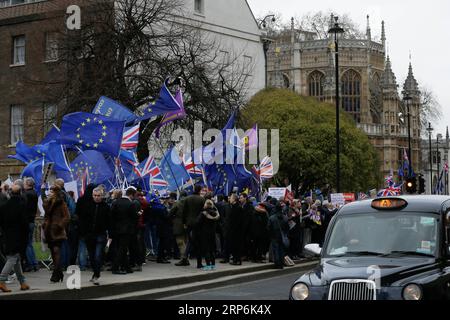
(411, 86)
(383, 34)
(368, 32)
(388, 79)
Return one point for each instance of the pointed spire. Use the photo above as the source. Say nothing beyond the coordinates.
(292, 23)
(447, 135)
(383, 34)
(388, 79)
(368, 32)
(411, 86)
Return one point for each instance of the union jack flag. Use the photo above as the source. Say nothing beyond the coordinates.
(150, 169)
(194, 170)
(363, 196)
(130, 137)
(391, 191)
(265, 170)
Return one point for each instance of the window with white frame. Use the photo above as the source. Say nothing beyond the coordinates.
(224, 57)
(50, 112)
(51, 46)
(17, 123)
(8, 3)
(248, 65)
(199, 6)
(18, 50)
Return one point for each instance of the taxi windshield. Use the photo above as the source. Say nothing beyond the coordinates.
(386, 234)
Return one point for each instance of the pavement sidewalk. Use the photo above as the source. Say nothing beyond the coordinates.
(160, 279)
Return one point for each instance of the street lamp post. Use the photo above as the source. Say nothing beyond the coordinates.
(337, 29)
(407, 98)
(266, 42)
(438, 161)
(430, 130)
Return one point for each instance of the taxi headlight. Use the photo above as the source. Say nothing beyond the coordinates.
(300, 291)
(412, 292)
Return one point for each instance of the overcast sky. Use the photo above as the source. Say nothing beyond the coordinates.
(422, 27)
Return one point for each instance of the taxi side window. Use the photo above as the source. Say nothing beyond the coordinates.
(446, 210)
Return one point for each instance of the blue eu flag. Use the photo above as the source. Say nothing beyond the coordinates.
(25, 153)
(110, 108)
(52, 135)
(94, 163)
(174, 171)
(92, 132)
(34, 170)
(165, 103)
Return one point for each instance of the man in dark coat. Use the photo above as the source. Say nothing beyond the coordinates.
(235, 231)
(247, 217)
(14, 223)
(123, 212)
(31, 198)
(93, 224)
(277, 226)
(192, 206)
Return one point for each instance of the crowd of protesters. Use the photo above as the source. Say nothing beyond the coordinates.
(120, 231)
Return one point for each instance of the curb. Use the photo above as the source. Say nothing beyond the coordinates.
(221, 282)
(118, 289)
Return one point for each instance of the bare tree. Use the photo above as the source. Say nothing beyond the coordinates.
(431, 109)
(127, 48)
(319, 22)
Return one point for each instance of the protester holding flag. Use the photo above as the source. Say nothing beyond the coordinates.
(179, 232)
(56, 220)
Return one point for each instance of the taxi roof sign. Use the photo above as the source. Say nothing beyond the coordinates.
(389, 204)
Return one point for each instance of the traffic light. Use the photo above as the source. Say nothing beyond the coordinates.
(421, 184)
(411, 185)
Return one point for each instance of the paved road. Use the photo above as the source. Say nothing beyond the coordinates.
(267, 289)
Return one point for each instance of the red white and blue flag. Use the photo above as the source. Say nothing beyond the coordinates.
(130, 137)
(150, 169)
(266, 168)
(391, 191)
(363, 196)
(194, 170)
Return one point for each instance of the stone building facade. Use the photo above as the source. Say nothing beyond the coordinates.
(368, 88)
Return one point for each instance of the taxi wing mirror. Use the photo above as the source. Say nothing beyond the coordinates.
(313, 249)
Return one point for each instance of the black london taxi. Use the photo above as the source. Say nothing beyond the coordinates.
(393, 248)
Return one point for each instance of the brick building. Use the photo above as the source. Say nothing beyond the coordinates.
(30, 74)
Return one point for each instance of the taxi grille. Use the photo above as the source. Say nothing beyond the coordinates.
(353, 289)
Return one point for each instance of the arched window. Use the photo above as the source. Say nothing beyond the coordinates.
(315, 81)
(351, 94)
